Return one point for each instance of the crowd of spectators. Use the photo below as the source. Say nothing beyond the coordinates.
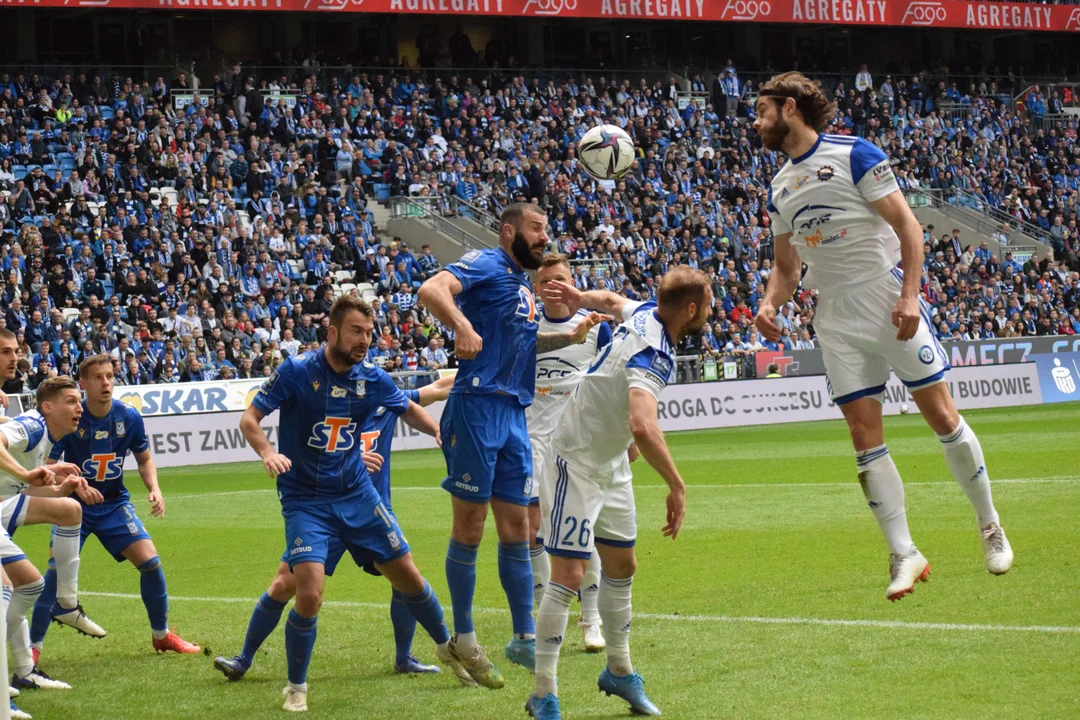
(207, 241)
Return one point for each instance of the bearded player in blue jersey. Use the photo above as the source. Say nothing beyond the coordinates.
(326, 398)
(108, 430)
(377, 438)
(487, 300)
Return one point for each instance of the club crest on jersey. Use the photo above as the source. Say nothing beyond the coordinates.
(926, 354)
(361, 387)
(802, 181)
(825, 173)
(338, 392)
(101, 434)
(120, 429)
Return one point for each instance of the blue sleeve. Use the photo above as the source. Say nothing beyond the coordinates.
(413, 395)
(390, 395)
(137, 432)
(864, 156)
(35, 430)
(278, 389)
(59, 448)
(654, 361)
(473, 268)
(772, 208)
(603, 336)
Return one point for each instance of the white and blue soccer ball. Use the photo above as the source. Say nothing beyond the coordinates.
(904, 409)
(606, 152)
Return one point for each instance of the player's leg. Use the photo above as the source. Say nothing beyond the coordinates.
(27, 583)
(264, 620)
(592, 636)
(964, 456)
(65, 515)
(42, 615)
(301, 630)
(144, 556)
(541, 564)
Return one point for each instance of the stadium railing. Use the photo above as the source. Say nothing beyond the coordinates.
(980, 216)
(435, 213)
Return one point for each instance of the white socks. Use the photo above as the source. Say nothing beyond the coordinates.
(465, 640)
(541, 571)
(614, 603)
(551, 619)
(66, 553)
(18, 630)
(964, 456)
(590, 591)
(884, 492)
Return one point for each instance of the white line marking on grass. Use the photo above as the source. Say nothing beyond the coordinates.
(692, 486)
(728, 619)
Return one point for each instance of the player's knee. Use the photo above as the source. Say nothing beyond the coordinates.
(69, 513)
(282, 588)
(151, 565)
(619, 567)
(567, 572)
(308, 601)
(468, 527)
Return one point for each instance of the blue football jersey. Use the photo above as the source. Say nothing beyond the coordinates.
(379, 437)
(497, 298)
(322, 419)
(99, 447)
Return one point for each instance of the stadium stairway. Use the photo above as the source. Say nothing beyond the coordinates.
(974, 227)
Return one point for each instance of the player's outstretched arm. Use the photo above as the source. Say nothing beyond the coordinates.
(547, 342)
(148, 473)
(437, 294)
(650, 442)
(8, 464)
(604, 301)
(784, 280)
(420, 419)
(895, 211)
(274, 462)
(436, 391)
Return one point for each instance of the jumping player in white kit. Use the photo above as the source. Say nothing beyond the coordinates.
(590, 506)
(836, 206)
(557, 374)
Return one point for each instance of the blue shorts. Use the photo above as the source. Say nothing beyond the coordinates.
(115, 524)
(322, 533)
(487, 449)
(335, 549)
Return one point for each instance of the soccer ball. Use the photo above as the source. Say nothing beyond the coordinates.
(606, 152)
(904, 409)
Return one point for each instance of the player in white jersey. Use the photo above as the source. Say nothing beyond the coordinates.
(557, 374)
(836, 206)
(33, 497)
(591, 504)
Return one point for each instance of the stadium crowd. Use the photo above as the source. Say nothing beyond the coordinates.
(208, 241)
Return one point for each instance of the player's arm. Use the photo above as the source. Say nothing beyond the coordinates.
(420, 419)
(250, 425)
(783, 281)
(895, 211)
(9, 465)
(437, 294)
(547, 342)
(603, 301)
(436, 391)
(649, 439)
(148, 473)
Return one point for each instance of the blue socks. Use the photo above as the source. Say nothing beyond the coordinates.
(425, 607)
(404, 627)
(154, 596)
(515, 572)
(264, 618)
(39, 623)
(300, 635)
(461, 577)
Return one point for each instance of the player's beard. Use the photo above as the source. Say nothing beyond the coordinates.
(523, 252)
(341, 355)
(775, 137)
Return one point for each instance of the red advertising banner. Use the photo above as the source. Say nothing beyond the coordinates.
(911, 13)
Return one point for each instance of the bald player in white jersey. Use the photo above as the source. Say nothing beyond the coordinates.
(836, 206)
(591, 504)
(557, 374)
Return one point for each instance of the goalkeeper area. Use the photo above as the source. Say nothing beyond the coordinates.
(768, 605)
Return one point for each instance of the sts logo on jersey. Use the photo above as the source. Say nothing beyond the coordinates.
(335, 434)
(526, 305)
(102, 467)
(369, 440)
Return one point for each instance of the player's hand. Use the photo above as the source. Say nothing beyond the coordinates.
(632, 452)
(676, 509)
(372, 461)
(71, 484)
(467, 344)
(765, 322)
(64, 470)
(89, 495)
(588, 323)
(157, 504)
(276, 463)
(558, 293)
(905, 316)
(438, 438)
(3, 400)
(41, 477)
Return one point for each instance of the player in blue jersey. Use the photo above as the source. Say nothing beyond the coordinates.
(108, 430)
(377, 438)
(326, 398)
(487, 300)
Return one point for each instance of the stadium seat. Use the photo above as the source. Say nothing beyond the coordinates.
(69, 314)
(347, 288)
(342, 275)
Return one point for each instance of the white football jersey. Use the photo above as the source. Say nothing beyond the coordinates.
(558, 372)
(29, 443)
(594, 430)
(823, 198)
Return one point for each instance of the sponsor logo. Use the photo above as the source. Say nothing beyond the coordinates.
(465, 486)
(813, 240)
(121, 431)
(661, 365)
(802, 181)
(834, 237)
(546, 390)
(920, 13)
(1063, 378)
(656, 380)
(81, 432)
(369, 440)
(557, 640)
(554, 368)
(331, 4)
(548, 7)
(978, 473)
(825, 173)
(926, 355)
(746, 9)
(315, 384)
(784, 193)
(101, 434)
(334, 434)
(300, 549)
(298, 542)
(102, 467)
(338, 392)
(1073, 23)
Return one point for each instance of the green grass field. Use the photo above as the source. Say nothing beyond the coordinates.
(770, 604)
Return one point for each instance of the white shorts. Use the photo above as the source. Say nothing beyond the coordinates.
(582, 508)
(12, 514)
(859, 345)
(543, 460)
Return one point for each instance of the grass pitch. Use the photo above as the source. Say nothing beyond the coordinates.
(769, 605)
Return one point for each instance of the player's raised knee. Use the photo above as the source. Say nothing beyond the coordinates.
(283, 586)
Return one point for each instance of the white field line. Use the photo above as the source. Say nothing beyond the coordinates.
(703, 486)
(726, 619)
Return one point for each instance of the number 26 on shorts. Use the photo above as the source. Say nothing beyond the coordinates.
(583, 534)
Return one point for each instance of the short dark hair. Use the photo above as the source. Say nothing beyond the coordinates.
(682, 285)
(516, 212)
(811, 102)
(346, 304)
(50, 388)
(92, 362)
(551, 259)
